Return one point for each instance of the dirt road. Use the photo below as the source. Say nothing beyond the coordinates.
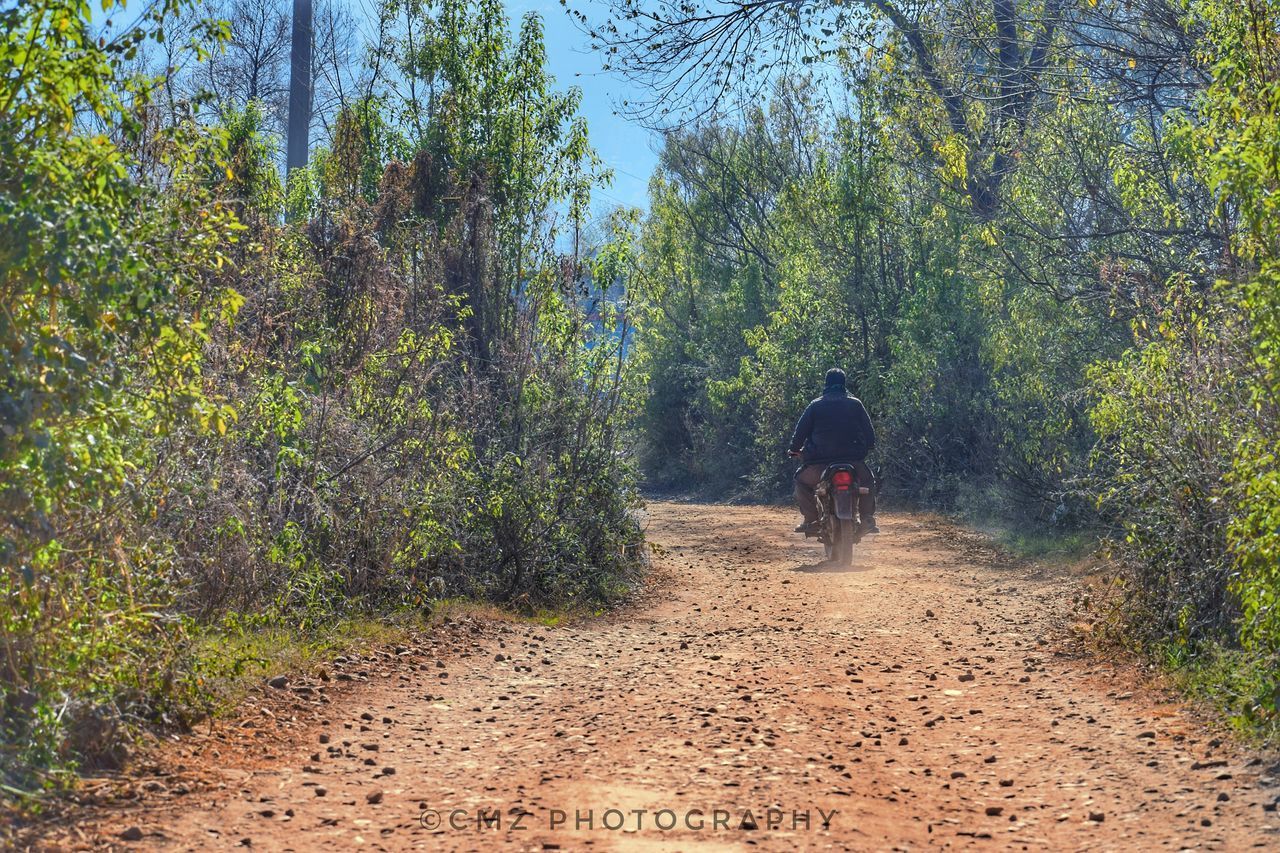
(917, 699)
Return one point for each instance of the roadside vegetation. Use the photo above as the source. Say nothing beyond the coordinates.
(229, 405)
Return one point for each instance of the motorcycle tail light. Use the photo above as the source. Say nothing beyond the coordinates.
(842, 479)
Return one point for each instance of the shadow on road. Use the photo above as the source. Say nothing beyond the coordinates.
(828, 568)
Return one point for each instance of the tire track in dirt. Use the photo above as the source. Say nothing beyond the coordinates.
(915, 699)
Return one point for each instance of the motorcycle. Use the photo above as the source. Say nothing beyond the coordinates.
(839, 528)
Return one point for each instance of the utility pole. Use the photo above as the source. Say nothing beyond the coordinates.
(299, 87)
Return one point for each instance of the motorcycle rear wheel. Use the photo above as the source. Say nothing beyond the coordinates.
(840, 551)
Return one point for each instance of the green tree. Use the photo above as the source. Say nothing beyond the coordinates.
(105, 308)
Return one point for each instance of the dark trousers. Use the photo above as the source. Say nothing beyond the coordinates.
(807, 479)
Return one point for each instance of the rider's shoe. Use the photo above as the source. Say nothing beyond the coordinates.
(808, 527)
(869, 526)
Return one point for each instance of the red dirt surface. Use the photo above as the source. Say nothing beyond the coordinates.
(920, 698)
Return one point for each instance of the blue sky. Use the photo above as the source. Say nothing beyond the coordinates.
(625, 146)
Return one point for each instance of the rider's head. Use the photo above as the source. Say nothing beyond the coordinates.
(835, 378)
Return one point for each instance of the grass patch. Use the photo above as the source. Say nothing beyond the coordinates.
(230, 661)
(993, 510)
(1031, 541)
(1053, 545)
(1239, 687)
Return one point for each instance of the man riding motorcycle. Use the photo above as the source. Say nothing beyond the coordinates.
(834, 428)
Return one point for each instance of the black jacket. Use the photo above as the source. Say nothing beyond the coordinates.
(834, 428)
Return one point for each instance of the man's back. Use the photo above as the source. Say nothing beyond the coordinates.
(834, 428)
